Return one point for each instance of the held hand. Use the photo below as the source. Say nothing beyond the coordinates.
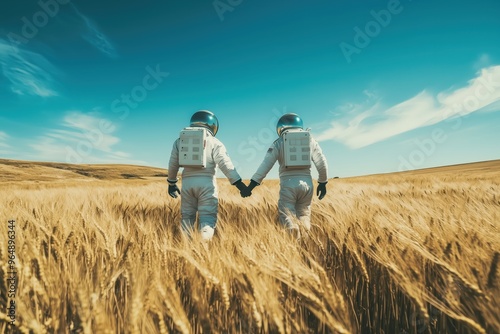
(248, 191)
(173, 190)
(321, 191)
(242, 188)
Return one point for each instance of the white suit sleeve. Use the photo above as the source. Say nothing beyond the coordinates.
(319, 161)
(221, 158)
(173, 164)
(268, 163)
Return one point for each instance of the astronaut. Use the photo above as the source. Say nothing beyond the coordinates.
(296, 187)
(199, 187)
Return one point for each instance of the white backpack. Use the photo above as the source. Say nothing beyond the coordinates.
(297, 146)
(192, 145)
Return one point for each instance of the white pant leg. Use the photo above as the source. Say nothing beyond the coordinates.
(208, 207)
(304, 199)
(286, 203)
(189, 205)
(295, 200)
(199, 195)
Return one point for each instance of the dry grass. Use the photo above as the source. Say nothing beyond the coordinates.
(402, 253)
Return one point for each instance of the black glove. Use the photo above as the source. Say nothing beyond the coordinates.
(249, 189)
(173, 190)
(241, 187)
(321, 191)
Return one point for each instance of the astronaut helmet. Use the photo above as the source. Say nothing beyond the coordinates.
(206, 119)
(289, 121)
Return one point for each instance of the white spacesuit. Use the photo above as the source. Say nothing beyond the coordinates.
(296, 187)
(199, 188)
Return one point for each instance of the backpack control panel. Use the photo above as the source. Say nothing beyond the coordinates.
(297, 147)
(192, 142)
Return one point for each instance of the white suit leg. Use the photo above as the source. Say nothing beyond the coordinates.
(189, 205)
(208, 206)
(199, 195)
(286, 203)
(303, 205)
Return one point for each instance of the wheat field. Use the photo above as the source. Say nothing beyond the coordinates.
(396, 253)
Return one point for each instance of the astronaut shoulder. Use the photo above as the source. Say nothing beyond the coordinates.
(275, 146)
(314, 143)
(214, 141)
(278, 143)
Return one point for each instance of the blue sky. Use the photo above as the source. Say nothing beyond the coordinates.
(383, 85)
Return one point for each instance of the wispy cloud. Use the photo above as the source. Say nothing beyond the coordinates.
(29, 73)
(366, 125)
(92, 34)
(483, 61)
(3, 139)
(4, 147)
(82, 138)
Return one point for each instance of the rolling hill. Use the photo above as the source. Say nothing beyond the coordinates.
(17, 170)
